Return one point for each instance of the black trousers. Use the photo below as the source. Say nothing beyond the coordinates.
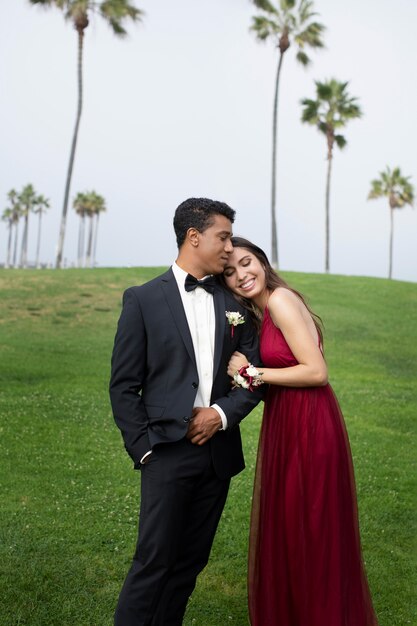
(181, 503)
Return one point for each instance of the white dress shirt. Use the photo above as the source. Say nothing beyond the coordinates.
(199, 311)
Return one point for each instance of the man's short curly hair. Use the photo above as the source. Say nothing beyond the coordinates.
(198, 213)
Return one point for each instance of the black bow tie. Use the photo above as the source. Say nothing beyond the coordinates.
(208, 283)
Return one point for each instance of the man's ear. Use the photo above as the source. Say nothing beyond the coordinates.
(193, 236)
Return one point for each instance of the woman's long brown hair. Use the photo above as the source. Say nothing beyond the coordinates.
(272, 281)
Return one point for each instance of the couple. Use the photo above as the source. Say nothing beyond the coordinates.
(179, 388)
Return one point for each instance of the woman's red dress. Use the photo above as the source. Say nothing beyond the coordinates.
(305, 563)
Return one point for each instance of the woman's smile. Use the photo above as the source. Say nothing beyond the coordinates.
(247, 284)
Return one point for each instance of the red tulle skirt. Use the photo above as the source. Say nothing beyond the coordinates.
(305, 562)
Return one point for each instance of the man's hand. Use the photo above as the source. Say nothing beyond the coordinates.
(205, 422)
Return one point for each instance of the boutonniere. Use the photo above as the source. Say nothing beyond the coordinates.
(234, 318)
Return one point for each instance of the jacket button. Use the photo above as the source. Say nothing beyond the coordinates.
(195, 385)
(186, 419)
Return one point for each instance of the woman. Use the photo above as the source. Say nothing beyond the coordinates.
(305, 564)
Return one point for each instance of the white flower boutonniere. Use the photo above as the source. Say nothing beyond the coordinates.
(234, 318)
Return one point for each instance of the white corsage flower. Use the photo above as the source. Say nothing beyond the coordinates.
(248, 377)
(234, 318)
(240, 381)
(252, 371)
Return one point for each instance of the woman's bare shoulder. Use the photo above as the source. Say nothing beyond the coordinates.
(283, 296)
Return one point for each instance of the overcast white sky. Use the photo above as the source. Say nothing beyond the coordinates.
(183, 107)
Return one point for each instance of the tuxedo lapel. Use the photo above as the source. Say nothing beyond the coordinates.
(220, 314)
(174, 302)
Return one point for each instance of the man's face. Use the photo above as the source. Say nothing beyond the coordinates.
(215, 246)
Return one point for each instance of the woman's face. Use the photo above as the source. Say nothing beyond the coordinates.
(245, 275)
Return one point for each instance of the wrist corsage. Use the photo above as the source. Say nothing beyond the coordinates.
(248, 377)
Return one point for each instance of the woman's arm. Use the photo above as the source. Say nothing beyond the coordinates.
(291, 316)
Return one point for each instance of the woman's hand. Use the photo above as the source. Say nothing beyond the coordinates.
(237, 360)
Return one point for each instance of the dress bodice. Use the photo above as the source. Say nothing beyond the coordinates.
(275, 352)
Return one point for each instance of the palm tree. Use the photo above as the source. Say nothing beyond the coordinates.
(332, 109)
(399, 191)
(115, 12)
(41, 206)
(27, 201)
(88, 204)
(290, 21)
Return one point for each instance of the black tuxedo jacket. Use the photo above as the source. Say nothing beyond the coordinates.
(154, 376)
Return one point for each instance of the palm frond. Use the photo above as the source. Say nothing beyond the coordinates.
(117, 11)
(305, 11)
(311, 36)
(324, 91)
(60, 4)
(340, 141)
(323, 127)
(350, 110)
(287, 5)
(303, 58)
(265, 5)
(310, 113)
(7, 215)
(376, 189)
(263, 27)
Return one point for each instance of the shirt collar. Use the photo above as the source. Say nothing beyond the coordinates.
(180, 275)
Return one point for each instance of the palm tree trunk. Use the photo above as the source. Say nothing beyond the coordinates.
(391, 241)
(83, 244)
(60, 248)
(9, 245)
(80, 242)
(90, 242)
(327, 261)
(16, 237)
(24, 244)
(327, 227)
(38, 245)
(95, 240)
(274, 237)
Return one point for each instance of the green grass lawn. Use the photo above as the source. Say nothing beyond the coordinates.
(69, 496)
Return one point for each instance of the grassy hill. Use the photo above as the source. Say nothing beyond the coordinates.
(69, 494)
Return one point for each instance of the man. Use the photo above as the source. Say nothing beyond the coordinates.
(178, 413)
